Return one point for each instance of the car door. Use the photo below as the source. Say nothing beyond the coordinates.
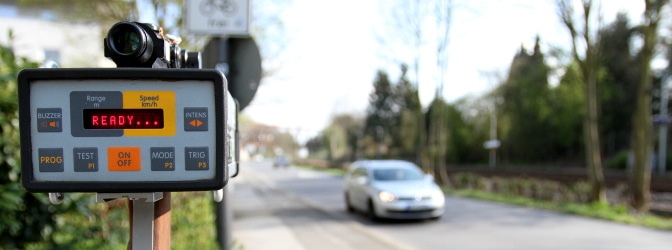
(360, 181)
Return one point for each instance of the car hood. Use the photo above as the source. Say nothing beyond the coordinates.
(406, 187)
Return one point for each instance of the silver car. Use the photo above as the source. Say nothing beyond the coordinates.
(392, 189)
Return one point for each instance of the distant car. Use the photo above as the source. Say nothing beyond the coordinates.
(392, 189)
(281, 161)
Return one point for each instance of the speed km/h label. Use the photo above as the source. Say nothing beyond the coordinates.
(153, 100)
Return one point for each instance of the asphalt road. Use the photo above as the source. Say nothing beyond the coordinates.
(300, 209)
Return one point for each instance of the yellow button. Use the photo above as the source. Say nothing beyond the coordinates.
(123, 159)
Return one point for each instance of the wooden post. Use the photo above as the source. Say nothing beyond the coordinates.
(162, 222)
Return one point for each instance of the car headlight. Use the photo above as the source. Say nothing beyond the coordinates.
(386, 196)
(437, 195)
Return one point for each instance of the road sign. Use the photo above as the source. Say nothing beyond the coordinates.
(242, 67)
(492, 144)
(218, 17)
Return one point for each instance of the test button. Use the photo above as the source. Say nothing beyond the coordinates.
(85, 159)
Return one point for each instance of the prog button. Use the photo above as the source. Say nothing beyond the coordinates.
(50, 159)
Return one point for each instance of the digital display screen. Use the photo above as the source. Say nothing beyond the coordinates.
(123, 118)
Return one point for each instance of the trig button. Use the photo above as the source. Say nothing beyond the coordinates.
(163, 158)
(123, 159)
(86, 159)
(196, 158)
(49, 120)
(51, 159)
(195, 119)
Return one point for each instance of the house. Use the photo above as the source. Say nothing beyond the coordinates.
(37, 36)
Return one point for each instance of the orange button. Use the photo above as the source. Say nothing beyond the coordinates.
(123, 159)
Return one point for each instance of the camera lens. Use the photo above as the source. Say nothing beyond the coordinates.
(127, 42)
(128, 39)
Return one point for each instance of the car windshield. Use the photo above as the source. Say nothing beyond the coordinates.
(396, 174)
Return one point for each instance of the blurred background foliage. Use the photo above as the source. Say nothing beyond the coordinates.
(30, 221)
(538, 122)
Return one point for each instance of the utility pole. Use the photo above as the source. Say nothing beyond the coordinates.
(493, 144)
(380, 135)
(662, 129)
(493, 136)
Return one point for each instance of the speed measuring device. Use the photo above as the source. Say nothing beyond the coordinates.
(126, 130)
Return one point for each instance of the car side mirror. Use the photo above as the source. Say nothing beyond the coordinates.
(363, 180)
(429, 177)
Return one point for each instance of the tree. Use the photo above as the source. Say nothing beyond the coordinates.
(437, 138)
(525, 96)
(443, 15)
(29, 220)
(410, 129)
(583, 35)
(23, 214)
(405, 24)
(382, 112)
(618, 86)
(336, 143)
(104, 13)
(567, 104)
(642, 144)
(341, 139)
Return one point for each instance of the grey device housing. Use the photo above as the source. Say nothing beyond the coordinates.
(223, 142)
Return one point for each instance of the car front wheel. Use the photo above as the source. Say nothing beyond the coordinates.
(371, 211)
(348, 205)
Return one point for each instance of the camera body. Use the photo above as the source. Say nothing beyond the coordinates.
(143, 45)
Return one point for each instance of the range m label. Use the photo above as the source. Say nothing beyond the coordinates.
(83, 100)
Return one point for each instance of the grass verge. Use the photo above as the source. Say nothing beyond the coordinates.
(618, 213)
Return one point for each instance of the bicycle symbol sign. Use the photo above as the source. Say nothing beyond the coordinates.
(209, 7)
(218, 17)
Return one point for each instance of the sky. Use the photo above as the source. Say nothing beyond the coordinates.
(331, 62)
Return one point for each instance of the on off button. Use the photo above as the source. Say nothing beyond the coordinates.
(121, 159)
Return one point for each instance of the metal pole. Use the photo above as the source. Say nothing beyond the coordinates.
(379, 137)
(662, 130)
(150, 218)
(223, 214)
(493, 136)
(142, 226)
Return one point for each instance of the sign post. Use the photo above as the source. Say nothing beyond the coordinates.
(234, 53)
